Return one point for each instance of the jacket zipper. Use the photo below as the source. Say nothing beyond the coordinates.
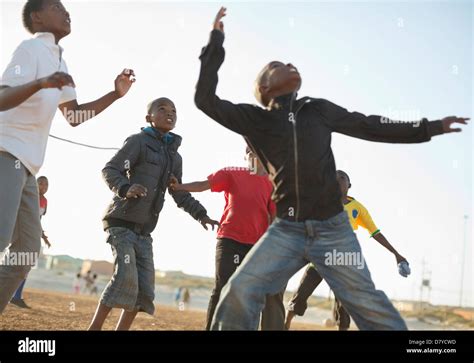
(292, 119)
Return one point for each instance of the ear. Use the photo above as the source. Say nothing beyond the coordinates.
(148, 118)
(35, 17)
(349, 185)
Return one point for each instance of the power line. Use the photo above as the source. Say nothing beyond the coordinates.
(85, 145)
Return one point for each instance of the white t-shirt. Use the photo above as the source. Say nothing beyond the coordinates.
(24, 129)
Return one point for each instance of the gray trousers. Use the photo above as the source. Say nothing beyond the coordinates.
(20, 225)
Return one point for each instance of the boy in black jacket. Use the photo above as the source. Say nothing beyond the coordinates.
(138, 175)
(292, 138)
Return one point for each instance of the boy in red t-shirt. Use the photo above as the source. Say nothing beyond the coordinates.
(248, 212)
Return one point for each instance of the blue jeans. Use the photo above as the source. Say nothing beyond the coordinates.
(284, 249)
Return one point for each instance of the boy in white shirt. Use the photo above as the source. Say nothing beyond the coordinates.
(35, 83)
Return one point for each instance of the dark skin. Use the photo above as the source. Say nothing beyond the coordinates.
(54, 18)
(379, 237)
(278, 79)
(43, 186)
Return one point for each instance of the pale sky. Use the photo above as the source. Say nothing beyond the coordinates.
(373, 57)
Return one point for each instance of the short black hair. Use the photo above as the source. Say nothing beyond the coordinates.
(42, 177)
(158, 101)
(346, 175)
(30, 7)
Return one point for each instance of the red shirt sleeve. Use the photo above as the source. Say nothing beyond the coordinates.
(220, 181)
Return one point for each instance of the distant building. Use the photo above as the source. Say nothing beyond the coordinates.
(103, 268)
(62, 262)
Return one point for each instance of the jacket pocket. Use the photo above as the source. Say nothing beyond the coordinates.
(152, 155)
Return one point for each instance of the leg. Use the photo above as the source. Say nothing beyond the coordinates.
(298, 304)
(126, 320)
(341, 317)
(122, 289)
(19, 292)
(273, 314)
(100, 315)
(337, 256)
(228, 258)
(20, 203)
(266, 270)
(146, 278)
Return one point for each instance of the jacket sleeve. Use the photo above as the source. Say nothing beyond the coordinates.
(378, 128)
(183, 199)
(239, 118)
(115, 171)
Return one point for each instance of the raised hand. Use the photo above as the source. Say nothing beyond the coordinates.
(448, 121)
(218, 23)
(124, 81)
(57, 80)
(136, 191)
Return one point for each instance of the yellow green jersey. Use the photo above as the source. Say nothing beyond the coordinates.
(359, 216)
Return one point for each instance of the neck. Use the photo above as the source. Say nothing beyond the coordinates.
(344, 199)
(161, 131)
(283, 100)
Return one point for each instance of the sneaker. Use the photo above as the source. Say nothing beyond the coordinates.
(20, 303)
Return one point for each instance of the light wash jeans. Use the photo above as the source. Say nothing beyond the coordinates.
(285, 248)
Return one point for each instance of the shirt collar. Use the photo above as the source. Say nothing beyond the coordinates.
(48, 39)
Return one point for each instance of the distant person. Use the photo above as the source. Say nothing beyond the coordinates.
(138, 176)
(247, 214)
(43, 185)
(87, 282)
(34, 85)
(186, 299)
(177, 295)
(77, 283)
(93, 290)
(359, 216)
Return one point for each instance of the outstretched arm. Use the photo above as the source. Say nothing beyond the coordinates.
(185, 200)
(384, 129)
(76, 114)
(199, 186)
(380, 238)
(240, 118)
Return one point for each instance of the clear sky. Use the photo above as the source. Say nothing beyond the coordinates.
(372, 57)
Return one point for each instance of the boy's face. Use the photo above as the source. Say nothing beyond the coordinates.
(278, 79)
(343, 183)
(53, 18)
(43, 186)
(162, 115)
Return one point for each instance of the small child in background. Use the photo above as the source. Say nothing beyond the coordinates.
(76, 285)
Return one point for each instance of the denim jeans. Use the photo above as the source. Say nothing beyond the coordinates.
(132, 286)
(283, 250)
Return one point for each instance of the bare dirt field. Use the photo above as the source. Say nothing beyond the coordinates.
(59, 311)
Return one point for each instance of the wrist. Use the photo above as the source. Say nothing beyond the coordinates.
(39, 84)
(115, 95)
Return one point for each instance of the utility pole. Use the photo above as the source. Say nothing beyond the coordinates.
(463, 258)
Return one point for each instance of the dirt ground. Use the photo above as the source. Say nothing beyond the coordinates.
(59, 311)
